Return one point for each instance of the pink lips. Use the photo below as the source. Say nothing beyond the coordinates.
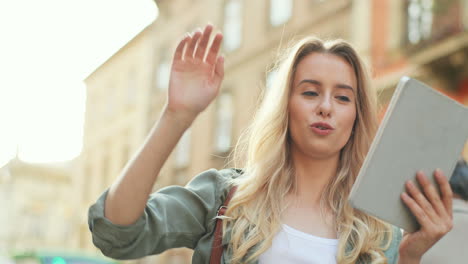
(321, 128)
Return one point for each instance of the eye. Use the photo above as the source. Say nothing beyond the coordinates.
(343, 98)
(310, 93)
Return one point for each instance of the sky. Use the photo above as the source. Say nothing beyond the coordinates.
(47, 49)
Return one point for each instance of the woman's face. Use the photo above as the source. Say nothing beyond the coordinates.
(322, 105)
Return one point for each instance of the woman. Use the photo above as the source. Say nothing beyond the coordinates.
(303, 152)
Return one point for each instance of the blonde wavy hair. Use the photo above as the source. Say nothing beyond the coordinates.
(254, 214)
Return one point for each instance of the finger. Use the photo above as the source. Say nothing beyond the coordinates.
(432, 194)
(214, 49)
(179, 52)
(192, 44)
(219, 70)
(420, 199)
(201, 49)
(445, 190)
(422, 218)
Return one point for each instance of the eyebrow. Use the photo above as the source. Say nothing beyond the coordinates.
(340, 85)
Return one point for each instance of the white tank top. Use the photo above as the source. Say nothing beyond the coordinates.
(293, 246)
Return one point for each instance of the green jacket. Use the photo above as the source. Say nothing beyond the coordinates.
(176, 217)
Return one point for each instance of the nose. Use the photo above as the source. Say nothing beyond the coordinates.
(325, 107)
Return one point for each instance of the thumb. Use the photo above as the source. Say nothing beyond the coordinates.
(219, 70)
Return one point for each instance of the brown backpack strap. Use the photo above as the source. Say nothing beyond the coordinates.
(217, 248)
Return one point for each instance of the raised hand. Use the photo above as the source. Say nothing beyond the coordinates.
(433, 212)
(196, 74)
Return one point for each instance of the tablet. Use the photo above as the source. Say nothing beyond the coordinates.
(422, 130)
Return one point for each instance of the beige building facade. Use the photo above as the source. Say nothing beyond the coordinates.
(39, 207)
(126, 94)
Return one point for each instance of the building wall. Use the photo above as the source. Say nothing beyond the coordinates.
(38, 208)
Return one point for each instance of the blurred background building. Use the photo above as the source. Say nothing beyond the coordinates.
(40, 202)
(425, 39)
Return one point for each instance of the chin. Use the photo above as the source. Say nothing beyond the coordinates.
(321, 152)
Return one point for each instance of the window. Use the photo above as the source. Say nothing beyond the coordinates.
(280, 11)
(224, 123)
(180, 178)
(182, 152)
(87, 182)
(163, 73)
(106, 174)
(419, 20)
(465, 14)
(110, 97)
(232, 25)
(37, 223)
(270, 78)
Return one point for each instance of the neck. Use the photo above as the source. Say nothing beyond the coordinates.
(312, 176)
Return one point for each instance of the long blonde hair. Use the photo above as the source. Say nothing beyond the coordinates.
(255, 211)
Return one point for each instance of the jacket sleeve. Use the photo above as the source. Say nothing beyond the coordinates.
(392, 252)
(174, 217)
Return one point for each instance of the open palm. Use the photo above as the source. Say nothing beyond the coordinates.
(197, 72)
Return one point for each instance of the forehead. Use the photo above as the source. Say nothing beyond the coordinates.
(325, 67)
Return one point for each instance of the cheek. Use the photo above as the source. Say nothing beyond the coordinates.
(295, 118)
(292, 119)
(349, 117)
(294, 110)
